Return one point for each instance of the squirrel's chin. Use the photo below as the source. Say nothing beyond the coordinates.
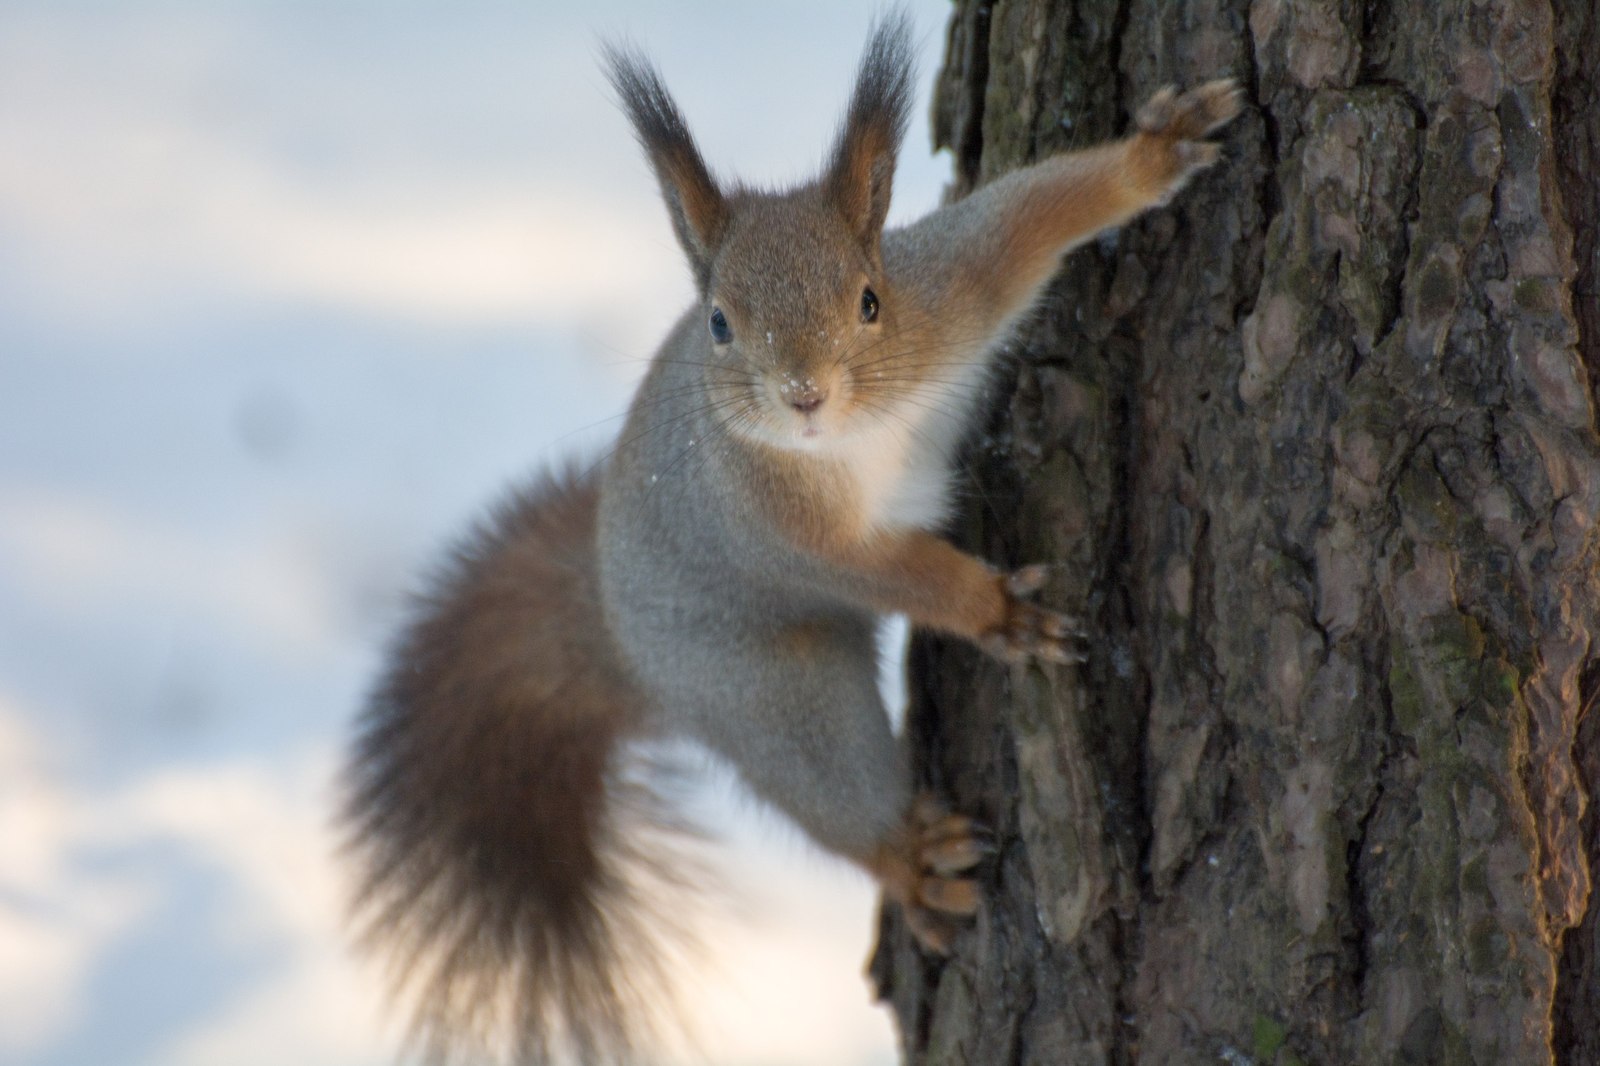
(808, 439)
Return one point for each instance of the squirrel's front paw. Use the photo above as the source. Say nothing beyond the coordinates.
(1029, 631)
(1171, 126)
(920, 869)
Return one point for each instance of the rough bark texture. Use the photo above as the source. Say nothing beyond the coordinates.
(1317, 446)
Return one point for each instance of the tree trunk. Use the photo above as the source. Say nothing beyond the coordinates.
(1317, 447)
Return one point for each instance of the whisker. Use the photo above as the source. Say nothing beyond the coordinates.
(664, 427)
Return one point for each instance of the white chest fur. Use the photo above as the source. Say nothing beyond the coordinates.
(899, 484)
(903, 466)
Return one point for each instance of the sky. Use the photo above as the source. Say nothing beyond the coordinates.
(288, 293)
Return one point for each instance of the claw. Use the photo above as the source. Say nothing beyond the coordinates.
(1221, 100)
(1060, 653)
(1063, 625)
(920, 867)
(955, 845)
(1030, 631)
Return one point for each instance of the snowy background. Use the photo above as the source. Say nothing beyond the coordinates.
(288, 292)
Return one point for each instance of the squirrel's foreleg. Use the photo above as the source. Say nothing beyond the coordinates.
(986, 258)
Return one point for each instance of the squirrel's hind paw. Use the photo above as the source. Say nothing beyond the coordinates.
(920, 869)
(1033, 632)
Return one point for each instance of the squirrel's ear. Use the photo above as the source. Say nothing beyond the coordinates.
(861, 172)
(698, 209)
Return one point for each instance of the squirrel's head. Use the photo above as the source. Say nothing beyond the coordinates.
(792, 289)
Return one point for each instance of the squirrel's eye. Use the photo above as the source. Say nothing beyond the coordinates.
(869, 305)
(720, 332)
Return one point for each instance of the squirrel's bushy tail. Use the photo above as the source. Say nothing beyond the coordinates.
(518, 870)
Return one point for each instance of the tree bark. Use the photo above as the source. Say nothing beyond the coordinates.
(1316, 446)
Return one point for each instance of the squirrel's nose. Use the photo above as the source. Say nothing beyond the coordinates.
(807, 400)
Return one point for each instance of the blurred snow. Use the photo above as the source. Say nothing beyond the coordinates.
(288, 293)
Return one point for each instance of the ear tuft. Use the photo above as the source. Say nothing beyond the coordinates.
(694, 201)
(860, 175)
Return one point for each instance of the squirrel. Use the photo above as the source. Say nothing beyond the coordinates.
(779, 486)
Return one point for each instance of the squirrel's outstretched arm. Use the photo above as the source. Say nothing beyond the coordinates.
(983, 260)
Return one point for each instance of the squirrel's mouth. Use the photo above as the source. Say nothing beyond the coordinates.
(806, 432)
